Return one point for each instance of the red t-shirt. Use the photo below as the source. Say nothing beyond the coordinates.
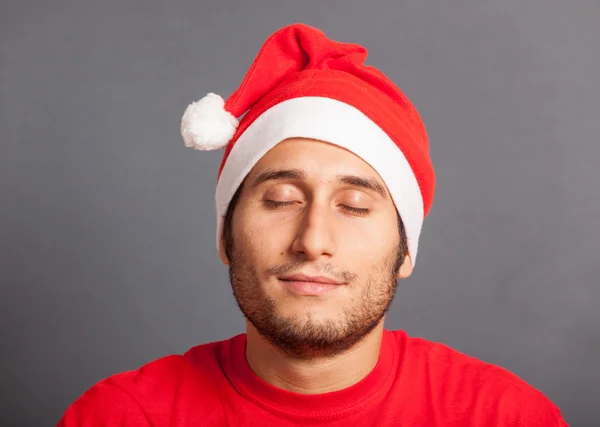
(415, 383)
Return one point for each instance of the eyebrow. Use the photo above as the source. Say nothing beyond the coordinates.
(277, 175)
(363, 182)
(353, 180)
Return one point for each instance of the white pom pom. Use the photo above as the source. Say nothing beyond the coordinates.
(206, 125)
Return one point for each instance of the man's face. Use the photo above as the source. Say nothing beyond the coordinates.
(315, 248)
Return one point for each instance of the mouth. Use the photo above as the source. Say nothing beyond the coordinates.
(302, 284)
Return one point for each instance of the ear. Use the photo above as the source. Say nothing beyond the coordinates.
(222, 254)
(406, 269)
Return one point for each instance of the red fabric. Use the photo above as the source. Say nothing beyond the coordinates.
(299, 61)
(416, 383)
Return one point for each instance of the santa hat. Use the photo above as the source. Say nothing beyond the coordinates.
(304, 85)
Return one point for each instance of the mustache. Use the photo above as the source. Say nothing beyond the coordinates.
(324, 268)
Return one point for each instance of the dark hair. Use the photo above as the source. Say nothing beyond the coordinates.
(228, 238)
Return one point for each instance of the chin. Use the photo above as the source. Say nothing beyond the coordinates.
(313, 313)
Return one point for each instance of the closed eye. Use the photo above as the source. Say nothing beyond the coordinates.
(356, 211)
(277, 203)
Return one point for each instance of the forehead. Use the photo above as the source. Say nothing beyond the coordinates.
(317, 159)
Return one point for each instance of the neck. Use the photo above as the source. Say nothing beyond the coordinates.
(312, 376)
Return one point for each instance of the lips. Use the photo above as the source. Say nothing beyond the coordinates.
(302, 284)
(313, 279)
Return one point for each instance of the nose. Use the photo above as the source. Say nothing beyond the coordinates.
(315, 234)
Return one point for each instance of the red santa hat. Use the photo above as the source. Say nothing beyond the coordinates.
(302, 84)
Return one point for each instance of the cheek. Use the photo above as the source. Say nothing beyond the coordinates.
(369, 243)
(260, 239)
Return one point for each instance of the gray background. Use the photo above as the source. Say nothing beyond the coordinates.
(107, 221)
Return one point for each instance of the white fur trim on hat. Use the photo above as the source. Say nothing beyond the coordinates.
(335, 122)
(206, 125)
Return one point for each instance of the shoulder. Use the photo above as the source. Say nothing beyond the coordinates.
(153, 391)
(198, 366)
(479, 388)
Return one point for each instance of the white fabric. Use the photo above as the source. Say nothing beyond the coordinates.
(206, 125)
(335, 122)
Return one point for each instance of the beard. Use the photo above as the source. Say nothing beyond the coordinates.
(302, 336)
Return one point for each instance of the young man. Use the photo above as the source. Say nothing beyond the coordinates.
(321, 196)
